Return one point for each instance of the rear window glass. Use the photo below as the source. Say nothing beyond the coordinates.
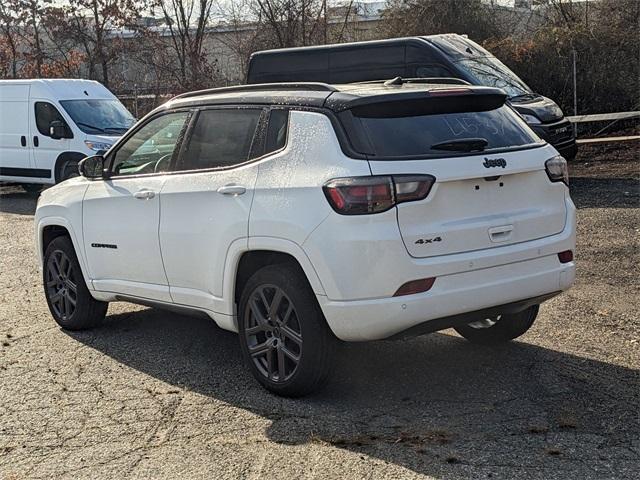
(416, 135)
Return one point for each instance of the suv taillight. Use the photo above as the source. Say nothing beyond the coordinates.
(364, 195)
(557, 169)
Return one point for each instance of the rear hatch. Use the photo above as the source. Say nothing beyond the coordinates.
(491, 188)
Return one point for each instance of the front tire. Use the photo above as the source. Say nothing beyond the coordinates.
(501, 329)
(68, 169)
(283, 334)
(68, 297)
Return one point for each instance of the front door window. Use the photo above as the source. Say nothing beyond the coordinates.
(151, 148)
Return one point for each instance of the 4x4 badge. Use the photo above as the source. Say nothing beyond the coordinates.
(494, 162)
(422, 241)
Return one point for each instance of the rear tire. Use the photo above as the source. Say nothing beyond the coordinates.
(283, 334)
(506, 328)
(68, 297)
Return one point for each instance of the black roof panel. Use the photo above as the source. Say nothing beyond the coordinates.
(334, 97)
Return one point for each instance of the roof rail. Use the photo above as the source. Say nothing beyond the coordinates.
(401, 81)
(310, 86)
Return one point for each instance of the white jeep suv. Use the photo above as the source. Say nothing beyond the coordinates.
(298, 214)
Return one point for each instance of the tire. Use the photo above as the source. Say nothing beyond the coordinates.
(32, 188)
(68, 169)
(293, 333)
(507, 327)
(64, 284)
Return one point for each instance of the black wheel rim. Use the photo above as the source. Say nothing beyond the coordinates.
(61, 284)
(272, 333)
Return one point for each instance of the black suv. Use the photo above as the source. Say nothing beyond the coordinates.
(432, 56)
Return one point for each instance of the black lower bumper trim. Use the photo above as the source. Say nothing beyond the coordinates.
(443, 323)
(25, 172)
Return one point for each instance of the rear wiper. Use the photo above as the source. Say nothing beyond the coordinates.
(462, 145)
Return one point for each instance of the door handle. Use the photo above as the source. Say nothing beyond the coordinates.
(35, 141)
(23, 141)
(500, 234)
(232, 189)
(144, 194)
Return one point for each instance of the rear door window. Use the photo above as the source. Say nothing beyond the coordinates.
(361, 63)
(432, 71)
(221, 138)
(417, 135)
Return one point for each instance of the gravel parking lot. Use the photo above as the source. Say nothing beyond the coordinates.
(158, 395)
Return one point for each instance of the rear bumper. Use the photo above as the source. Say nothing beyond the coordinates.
(464, 283)
(450, 295)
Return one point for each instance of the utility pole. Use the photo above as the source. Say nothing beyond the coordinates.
(324, 8)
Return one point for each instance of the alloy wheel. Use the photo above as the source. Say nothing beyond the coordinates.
(61, 284)
(273, 333)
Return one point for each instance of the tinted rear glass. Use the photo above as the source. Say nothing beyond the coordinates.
(221, 138)
(414, 136)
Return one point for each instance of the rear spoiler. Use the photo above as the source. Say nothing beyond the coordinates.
(446, 99)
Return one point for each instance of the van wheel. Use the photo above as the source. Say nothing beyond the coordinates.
(501, 329)
(283, 334)
(32, 188)
(68, 297)
(68, 169)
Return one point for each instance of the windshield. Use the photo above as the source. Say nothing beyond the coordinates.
(108, 117)
(491, 72)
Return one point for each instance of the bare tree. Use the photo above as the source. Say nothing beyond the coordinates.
(293, 22)
(187, 22)
(9, 32)
(91, 25)
(420, 17)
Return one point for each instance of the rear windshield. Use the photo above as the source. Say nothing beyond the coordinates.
(424, 135)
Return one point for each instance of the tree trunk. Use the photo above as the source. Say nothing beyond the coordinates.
(36, 37)
(100, 45)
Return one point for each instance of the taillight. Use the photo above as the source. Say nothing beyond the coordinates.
(557, 169)
(365, 195)
(566, 256)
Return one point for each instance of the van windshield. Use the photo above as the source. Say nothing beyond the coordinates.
(441, 135)
(491, 72)
(108, 117)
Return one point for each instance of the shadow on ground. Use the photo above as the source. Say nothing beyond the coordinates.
(435, 404)
(594, 192)
(17, 201)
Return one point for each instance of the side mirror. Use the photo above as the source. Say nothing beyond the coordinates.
(92, 167)
(57, 130)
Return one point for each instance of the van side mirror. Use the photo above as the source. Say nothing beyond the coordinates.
(92, 167)
(57, 130)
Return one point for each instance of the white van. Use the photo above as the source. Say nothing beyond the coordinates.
(48, 126)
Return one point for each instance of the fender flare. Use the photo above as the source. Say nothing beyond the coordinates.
(77, 246)
(275, 244)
